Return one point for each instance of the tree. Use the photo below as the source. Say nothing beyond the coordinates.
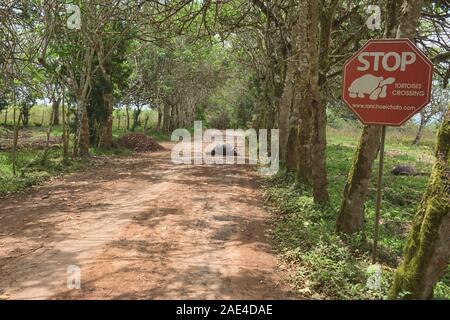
(4, 102)
(68, 55)
(176, 79)
(18, 50)
(52, 88)
(26, 99)
(351, 214)
(319, 72)
(78, 56)
(316, 58)
(427, 252)
(440, 99)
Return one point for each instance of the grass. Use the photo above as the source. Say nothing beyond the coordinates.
(321, 264)
(32, 169)
(326, 266)
(152, 132)
(40, 117)
(158, 135)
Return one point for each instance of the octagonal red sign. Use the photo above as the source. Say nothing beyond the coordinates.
(387, 81)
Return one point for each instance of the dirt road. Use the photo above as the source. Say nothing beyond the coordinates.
(140, 227)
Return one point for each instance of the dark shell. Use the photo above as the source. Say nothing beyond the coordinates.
(224, 150)
(403, 170)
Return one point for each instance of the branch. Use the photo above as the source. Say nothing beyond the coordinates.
(441, 57)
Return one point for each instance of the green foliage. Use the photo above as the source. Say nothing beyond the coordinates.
(110, 152)
(35, 167)
(232, 106)
(32, 170)
(3, 102)
(442, 289)
(158, 135)
(325, 265)
(434, 208)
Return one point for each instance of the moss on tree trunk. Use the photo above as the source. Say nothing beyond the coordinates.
(106, 134)
(81, 147)
(351, 215)
(284, 111)
(291, 150)
(427, 251)
(55, 111)
(318, 104)
(303, 97)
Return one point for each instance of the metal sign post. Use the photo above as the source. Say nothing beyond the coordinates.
(386, 83)
(379, 195)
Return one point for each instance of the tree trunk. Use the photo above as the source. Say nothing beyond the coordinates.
(167, 120)
(146, 124)
(409, 20)
(319, 165)
(127, 110)
(292, 147)
(82, 148)
(351, 215)
(302, 98)
(65, 135)
(106, 126)
(15, 142)
(47, 140)
(318, 106)
(293, 138)
(419, 131)
(43, 117)
(108, 102)
(55, 112)
(304, 154)
(392, 20)
(288, 115)
(173, 116)
(304, 173)
(160, 118)
(427, 252)
(284, 111)
(25, 116)
(318, 153)
(136, 114)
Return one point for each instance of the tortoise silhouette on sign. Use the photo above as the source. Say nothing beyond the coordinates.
(375, 87)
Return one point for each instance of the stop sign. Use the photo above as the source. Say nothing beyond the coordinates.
(387, 81)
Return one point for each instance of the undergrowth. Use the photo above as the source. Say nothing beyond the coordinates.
(325, 265)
